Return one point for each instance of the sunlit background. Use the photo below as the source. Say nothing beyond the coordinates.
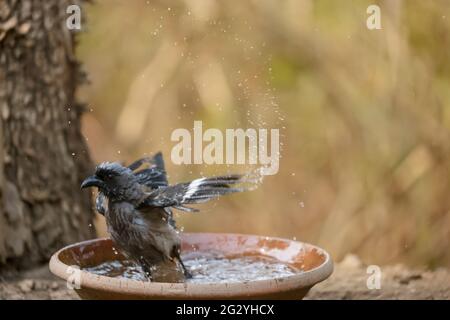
(364, 115)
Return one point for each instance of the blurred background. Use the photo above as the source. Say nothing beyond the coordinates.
(364, 115)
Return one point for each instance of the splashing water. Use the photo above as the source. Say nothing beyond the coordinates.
(206, 268)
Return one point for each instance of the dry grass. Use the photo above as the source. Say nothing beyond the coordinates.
(365, 115)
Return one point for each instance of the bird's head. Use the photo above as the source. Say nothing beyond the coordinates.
(113, 179)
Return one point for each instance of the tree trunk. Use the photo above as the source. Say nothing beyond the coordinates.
(43, 157)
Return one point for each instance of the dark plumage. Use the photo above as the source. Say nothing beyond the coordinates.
(137, 207)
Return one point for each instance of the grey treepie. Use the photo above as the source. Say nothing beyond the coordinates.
(137, 204)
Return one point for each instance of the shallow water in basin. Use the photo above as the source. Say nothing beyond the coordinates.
(207, 268)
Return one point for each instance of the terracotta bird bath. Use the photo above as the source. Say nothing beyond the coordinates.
(313, 264)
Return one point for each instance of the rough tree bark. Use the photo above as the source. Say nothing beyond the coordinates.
(43, 157)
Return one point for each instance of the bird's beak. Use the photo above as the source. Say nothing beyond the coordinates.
(91, 181)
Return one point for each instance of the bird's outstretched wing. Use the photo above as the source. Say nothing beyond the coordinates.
(155, 176)
(198, 191)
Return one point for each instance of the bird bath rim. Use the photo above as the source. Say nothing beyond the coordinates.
(123, 288)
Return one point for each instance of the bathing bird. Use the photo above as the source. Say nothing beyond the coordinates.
(137, 204)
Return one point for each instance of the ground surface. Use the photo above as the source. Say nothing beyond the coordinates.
(349, 281)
